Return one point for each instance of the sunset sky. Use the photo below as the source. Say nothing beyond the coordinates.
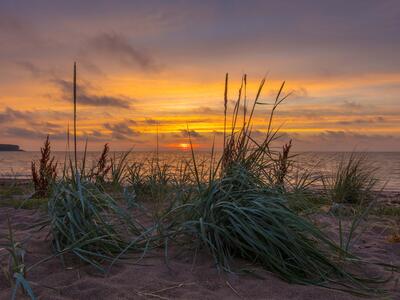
(143, 63)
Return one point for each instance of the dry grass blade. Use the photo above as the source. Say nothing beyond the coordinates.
(282, 166)
(100, 172)
(44, 176)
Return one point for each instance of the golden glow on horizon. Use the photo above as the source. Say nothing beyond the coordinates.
(184, 146)
(175, 104)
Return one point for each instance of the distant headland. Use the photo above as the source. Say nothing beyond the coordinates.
(9, 147)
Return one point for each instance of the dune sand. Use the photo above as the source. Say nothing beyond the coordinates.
(181, 279)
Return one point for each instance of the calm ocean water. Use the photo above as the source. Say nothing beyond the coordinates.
(18, 164)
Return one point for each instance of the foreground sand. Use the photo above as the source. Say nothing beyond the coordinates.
(153, 279)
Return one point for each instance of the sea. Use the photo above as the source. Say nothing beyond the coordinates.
(387, 164)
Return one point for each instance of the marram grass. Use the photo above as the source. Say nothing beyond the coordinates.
(87, 222)
(354, 180)
(241, 212)
(251, 221)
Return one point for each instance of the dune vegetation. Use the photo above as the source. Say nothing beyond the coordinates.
(243, 204)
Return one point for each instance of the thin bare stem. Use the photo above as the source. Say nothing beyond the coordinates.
(225, 105)
(74, 91)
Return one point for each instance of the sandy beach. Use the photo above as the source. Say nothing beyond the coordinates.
(185, 277)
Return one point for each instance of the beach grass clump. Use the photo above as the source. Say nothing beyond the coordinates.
(237, 216)
(353, 181)
(154, 178)
(160, 174)
(155, 183)
(44, 175)
(241, 212)
(159, 180)
(87, 222)
(136, 175)
(82, 218)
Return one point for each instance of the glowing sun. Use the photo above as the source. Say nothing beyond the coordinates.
(184, 146)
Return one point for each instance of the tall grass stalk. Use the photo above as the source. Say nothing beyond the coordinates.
(74, 99)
